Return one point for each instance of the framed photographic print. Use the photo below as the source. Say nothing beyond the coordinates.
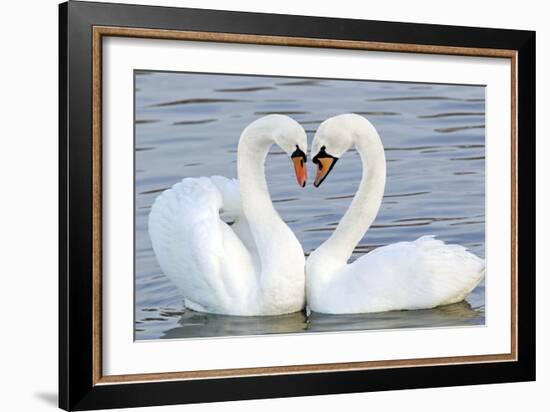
(257, 205)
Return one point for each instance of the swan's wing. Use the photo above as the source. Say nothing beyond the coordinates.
(232, 213)
(231, 209)
(199, 252)
(409, 275)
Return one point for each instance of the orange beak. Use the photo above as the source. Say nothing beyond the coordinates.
(300, 169)
(324, 166)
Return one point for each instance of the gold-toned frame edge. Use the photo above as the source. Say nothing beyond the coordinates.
(100, 31)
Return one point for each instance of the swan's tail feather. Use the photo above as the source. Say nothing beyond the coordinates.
(452, 272)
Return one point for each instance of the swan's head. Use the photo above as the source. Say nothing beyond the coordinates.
(333, 138)
(290, 136)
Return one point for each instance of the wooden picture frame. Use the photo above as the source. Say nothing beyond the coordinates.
(82, 385)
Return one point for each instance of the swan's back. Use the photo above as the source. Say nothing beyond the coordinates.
(199, 252)
(405, 275)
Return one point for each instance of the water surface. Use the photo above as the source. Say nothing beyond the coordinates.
(188, 125)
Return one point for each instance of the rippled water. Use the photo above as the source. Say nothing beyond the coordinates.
(188, 125)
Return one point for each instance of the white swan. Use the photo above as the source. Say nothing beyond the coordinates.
(405, 275)
(250, 268)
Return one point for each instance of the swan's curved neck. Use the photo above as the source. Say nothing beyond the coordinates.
(271, 235)
(366, 202)
(281, 278)
(254, 145)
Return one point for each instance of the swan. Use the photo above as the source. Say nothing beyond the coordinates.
(421, 274)
(252, 267)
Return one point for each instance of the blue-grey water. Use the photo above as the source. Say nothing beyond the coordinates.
(188, 125)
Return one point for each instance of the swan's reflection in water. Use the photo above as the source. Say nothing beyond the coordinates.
(195, 324)
(458, 314)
